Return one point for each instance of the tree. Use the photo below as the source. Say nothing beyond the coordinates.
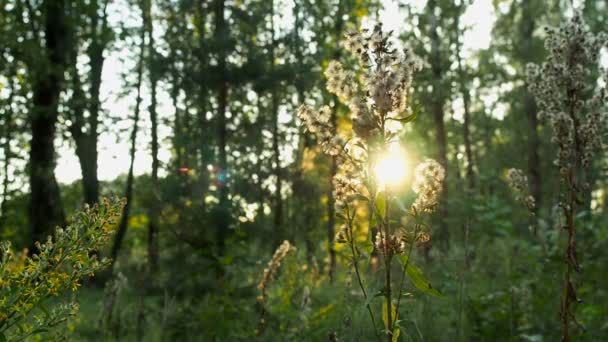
(84, 129)
(124, 220)
(221, 38)
(432, 93)
(45, 209)
(153, 74)
(463, 84)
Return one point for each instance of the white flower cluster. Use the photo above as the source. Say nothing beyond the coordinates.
(394, 244)
(319, 124)
(561, 85)
(345, 191)
(519, 183)
(382, 91)
(428, 181)
(341, 82)
(380, 94)
(517, 180)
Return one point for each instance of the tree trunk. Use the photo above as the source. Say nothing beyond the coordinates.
(86, 142)
(466, 99)
(6, 148)
(527, 28)
(124, 220)
(331, 210)
(90, 177)
(155, 205)
(300, 216)
(223, 217)
(278, 198)
(204, 145)
(45, 209)
(438, 116)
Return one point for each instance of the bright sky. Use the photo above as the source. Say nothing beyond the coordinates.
(114, 153)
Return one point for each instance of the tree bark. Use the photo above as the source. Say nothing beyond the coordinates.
(45, 209)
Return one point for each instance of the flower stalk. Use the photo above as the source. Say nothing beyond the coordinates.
(375, 96)
(576, 111)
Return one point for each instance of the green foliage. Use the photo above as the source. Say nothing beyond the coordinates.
(28, 282)
(483, 268)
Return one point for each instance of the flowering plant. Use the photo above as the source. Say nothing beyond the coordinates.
(60, 264)
(570, 100)
(377, 97)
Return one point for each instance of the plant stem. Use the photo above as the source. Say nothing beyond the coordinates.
(356, 267)
(407, 261)
(387, 260)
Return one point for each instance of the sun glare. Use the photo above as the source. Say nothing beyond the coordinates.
(391, 168)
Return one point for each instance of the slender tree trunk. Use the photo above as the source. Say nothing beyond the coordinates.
(155, 205)
(97, 60)
(469, 173)
(300, 215)
(527, 29)
(466, 99)
(438, 117)
(177, 120)
(297, 45)
(259, 165)
(221, 32)
(45, 209)
(86, 142)
(6, 148)
(124, 220)
(331, 202)
(204, 145)
(278, 173)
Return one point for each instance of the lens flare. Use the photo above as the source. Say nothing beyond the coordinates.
(391, 168)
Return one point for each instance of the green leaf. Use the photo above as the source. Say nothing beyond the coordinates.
(420, 281)
(380, 203)
(396, 333)
(361, 198)
(3, 337)
(385, 313)
(406, 119)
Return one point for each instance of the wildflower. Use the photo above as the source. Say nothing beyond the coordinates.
(517, 179)
(59, 265)
(345, 191)
(341, 236)
(428, 181)
(519, 183)
(559, 85)
(274, 264)
(576, 112)
(377, 97)
(393, 245)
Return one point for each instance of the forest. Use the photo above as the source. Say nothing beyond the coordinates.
(300, 170)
